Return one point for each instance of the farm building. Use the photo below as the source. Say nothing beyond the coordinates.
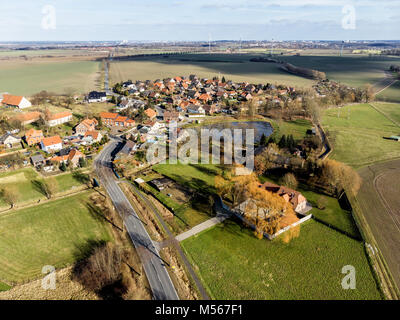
(297, 200)
(59, 118)
(14, 101)
(28, 117)
(161, 184)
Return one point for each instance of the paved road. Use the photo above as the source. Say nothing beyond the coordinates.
(154, 267)
(171, 240)
(202, 226)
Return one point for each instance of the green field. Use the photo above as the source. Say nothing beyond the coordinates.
(233, 67)
(21, 181)
(29, 77)
(234, 264)
(351, 69)
(357, 133)
(391, 94)
(298, 128)
(56, 233)
(195, 176)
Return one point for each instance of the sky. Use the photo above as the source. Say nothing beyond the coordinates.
(176, 20)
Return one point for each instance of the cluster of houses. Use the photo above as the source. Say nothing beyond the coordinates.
(63, 150)
(195, 97)
(59, 150)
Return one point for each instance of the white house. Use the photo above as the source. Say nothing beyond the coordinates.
(91, 137)
(9, 140)
(14, 101)
(51, 144)
(59, 118)
(195, 109)
(96, 96)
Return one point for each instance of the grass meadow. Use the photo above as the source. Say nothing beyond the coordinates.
(194, 176)
(21, 181)
(234, 264)
(56, 233)
(357, 133)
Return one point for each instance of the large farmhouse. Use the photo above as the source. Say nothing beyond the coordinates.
(296, 199)
(14, 101)
(59, 118)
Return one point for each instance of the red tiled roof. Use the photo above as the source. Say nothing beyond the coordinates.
(108, 115)
(93, 134)
(150, 113)
(11, 100)
(32, 132)
(51, 141)
(28, 116)
(60, 115)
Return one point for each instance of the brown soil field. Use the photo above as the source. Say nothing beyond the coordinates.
(380, 204)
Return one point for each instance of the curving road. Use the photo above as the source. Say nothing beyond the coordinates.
(154, 267)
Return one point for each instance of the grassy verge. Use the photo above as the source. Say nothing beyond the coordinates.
(235, 265)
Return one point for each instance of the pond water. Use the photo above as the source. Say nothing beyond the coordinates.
(260, 127)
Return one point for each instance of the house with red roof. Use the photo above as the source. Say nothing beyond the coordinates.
(51, 144)
(150, 113)
(85, 126)
(72, 157)
(33, 136)
(14, 101)
(114, 119)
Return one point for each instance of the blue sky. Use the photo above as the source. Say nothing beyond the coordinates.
(21, 20)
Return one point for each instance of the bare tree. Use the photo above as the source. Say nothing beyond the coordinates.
(10, 195)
